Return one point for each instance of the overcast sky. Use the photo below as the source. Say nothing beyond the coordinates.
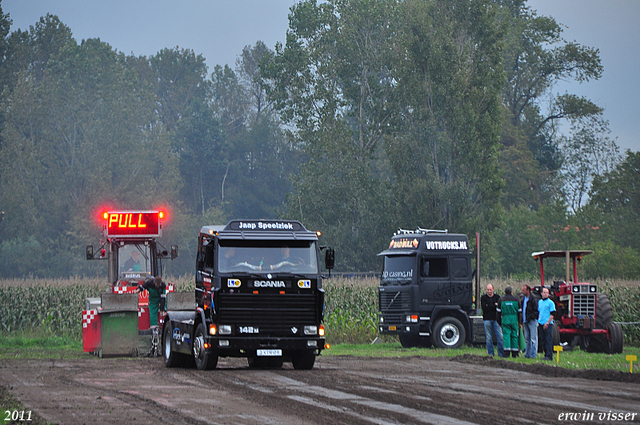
(219, 29)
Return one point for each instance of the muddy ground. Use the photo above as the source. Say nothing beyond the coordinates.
(339, 390)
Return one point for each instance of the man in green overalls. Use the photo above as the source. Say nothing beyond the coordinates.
(157, 290)
(508, 313)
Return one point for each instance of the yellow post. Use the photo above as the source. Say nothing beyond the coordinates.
(557, 349)
(631, 358)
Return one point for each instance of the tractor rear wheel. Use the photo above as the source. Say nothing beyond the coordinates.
(599, 343)
(616, 338)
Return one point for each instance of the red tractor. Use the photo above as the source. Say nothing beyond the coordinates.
(583, 315)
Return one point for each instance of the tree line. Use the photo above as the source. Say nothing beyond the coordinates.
(373, 115)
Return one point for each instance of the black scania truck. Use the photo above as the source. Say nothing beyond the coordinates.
(426, 290)
(258, 295)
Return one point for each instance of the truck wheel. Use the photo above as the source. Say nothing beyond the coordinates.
(616, 338)
(204, 360)
(171, 358)
(448, 332)
(409, 341)
(303, 360)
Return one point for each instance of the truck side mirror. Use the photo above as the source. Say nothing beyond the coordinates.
(174, 251)
(329, 258)
(89, 252)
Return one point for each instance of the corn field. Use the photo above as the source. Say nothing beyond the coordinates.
(54, 307)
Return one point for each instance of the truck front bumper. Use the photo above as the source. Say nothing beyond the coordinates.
(242, 346)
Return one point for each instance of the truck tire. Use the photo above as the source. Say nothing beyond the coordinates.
(171, 358)
(203, 359)
(448, 332)
(303, 360)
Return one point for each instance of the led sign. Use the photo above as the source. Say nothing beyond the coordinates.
(133, 224)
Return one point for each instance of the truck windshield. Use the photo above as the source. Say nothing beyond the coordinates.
(398, 267)
(268, 256)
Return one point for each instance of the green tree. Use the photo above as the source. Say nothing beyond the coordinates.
(331, 83)
(614, 203)
(80, 136)
(447, 126)
(588, 152)
(535, 58)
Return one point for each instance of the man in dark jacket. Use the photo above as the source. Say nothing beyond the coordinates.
(508, 315)
(529, 303)
(489, 302)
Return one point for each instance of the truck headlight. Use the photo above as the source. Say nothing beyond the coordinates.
(311, 330)
(225, 330)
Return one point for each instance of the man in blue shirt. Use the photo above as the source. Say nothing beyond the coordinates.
(545, 319)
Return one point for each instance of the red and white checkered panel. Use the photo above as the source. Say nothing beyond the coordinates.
(91, 331)
(88, 316)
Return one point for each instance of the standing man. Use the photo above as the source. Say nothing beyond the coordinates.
(508, 314)
(489, 302)
(530, 322)
(157, 293)
(545, 319)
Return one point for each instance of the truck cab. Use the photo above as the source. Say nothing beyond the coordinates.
(426, 289)
(258, 294)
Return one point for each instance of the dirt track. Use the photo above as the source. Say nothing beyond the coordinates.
(347, 390)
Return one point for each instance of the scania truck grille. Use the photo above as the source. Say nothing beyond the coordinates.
(269, 312)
